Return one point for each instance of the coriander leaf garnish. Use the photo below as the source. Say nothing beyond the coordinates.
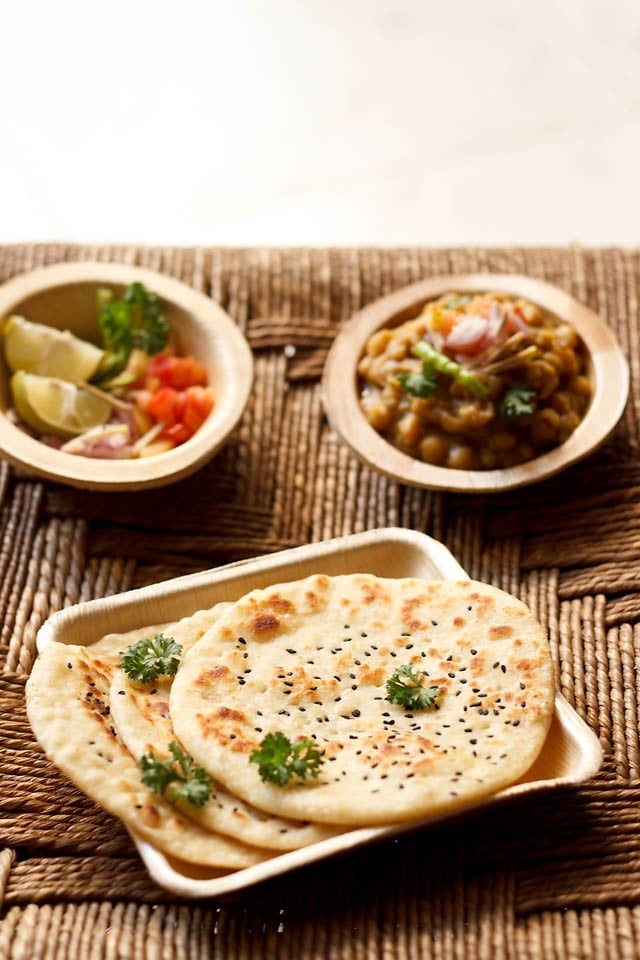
(176, 777)
(278, 759)
(135, 321)
(418, 384)
(517, 402)
(456, 302)
(405, 687)
(436, 362)
(150, 658)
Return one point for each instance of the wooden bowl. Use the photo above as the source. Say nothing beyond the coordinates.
(64, 296)
(608, 372)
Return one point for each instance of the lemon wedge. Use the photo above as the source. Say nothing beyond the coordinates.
(55, 406)
(49, 352)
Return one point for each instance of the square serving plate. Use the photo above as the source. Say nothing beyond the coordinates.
(571, 753)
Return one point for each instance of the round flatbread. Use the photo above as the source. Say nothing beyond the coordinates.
(140, 713)
(68, 708)
(311, 659)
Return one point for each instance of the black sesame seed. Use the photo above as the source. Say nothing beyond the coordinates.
(291, 650)
(69, 666)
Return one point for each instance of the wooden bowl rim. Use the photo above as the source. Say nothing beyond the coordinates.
(609, 370)
(218, 330)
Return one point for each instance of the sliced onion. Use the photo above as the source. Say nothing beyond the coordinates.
(470, 335)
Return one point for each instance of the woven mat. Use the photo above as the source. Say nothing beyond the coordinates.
(554, 876)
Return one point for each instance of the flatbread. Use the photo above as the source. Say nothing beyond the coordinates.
(68, 708)
(140, 713)
(311, 659)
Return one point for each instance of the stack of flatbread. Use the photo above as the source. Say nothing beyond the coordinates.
(311, 660)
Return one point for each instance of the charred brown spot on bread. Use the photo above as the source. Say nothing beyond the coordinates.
(408, 615)
(375, 676)
(372, 592)
(150, 814)
(272, 602)
(161, 707)
(264, 623)
(504, 630)
(459, 621)
(226, 713)
(213, 673)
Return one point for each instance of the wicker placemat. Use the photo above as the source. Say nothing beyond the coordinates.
(556, 876)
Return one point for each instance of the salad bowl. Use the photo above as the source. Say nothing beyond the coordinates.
(64, 296)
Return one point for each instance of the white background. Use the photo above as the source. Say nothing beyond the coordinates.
(320, 121)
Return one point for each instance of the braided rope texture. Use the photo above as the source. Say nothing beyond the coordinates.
(554, 876)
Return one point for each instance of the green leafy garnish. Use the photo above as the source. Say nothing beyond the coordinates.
(135, 321)
(457, 302)
(278, 759)
(405, 687)
(177, 778)
(418, 384)
(517, 402)
(436, 362)
(150, 658)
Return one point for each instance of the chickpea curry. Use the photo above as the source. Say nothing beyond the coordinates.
(476, 382)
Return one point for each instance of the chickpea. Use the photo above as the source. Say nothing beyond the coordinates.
(580, 385)
(541, 377)
(451, 423)
(488, 458)
(566, 336)
(433, 449)
(524, 452)
(545, 425)
(378, 343)
(568, 423)
(476, 415)
(569, 361)
(397, 350)
(561, 401)
(409, 431)
(378, 415)
(499, 442)
(461, 457)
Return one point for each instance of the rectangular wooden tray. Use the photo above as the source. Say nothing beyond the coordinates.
(571, 753)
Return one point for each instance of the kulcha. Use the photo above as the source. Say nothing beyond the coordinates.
(69, 710)
(140, 713)
(312, 659)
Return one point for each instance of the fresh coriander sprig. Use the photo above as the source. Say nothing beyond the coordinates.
(517, 402)
(150, 658)
(278, 759)
(418, 384)
(177, 777)
(135, 321)
(405, 687)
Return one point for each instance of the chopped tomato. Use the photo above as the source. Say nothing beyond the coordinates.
(176, 372)
(182, 411)
(162, 405)
(179, 433)
(198, 406)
